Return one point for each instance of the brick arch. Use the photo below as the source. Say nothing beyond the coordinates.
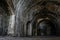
(42, 16)
(50, 26)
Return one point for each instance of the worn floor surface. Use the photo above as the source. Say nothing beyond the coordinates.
(29, 38)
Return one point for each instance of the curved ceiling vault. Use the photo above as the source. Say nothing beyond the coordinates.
(7, 6)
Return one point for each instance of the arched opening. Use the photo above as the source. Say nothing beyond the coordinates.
(44, 25)
(46, 28)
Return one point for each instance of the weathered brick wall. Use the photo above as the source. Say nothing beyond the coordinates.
(25, 10)
(3, 22)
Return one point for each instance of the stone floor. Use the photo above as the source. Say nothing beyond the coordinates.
(29, 38)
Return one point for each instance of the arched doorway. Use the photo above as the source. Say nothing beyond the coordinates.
(44, 23)
(46, 28)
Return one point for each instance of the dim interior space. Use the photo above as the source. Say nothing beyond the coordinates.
(29, 18)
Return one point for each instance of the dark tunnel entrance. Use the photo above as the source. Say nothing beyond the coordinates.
(44, 25)
(46, 28)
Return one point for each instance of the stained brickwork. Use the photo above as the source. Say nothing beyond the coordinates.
(26, 9)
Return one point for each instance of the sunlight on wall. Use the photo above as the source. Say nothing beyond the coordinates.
(11, 24)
